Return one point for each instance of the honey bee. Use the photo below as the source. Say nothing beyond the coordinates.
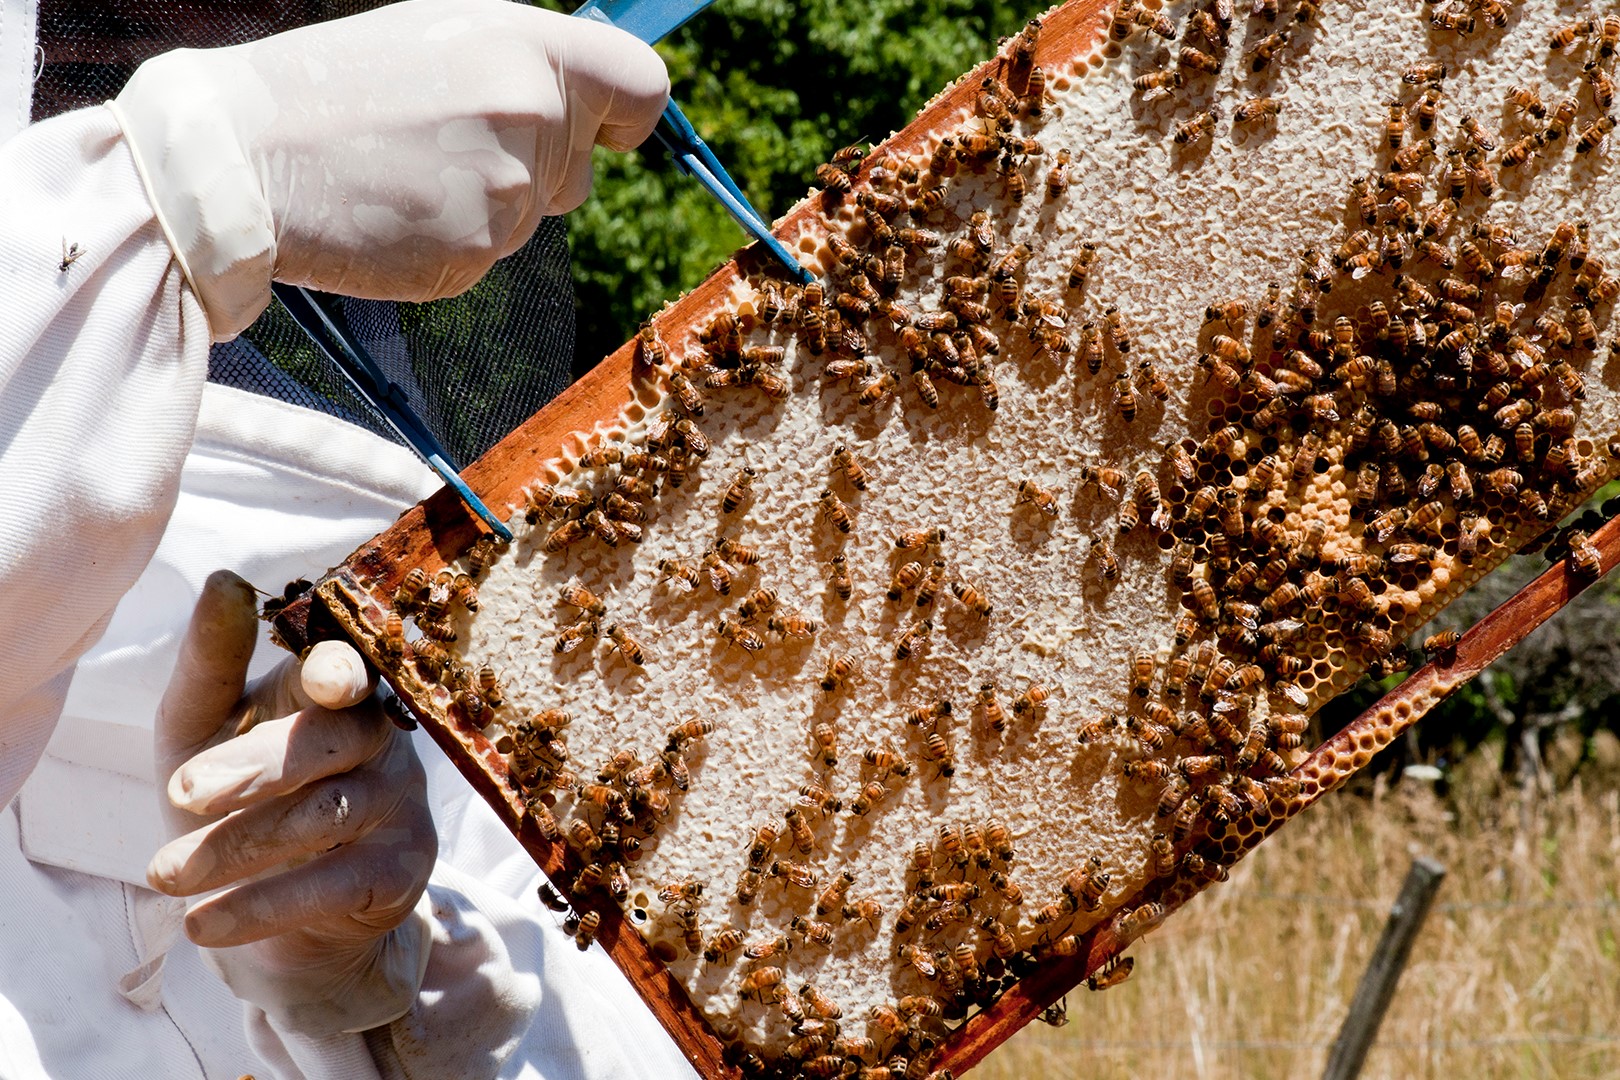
(1224, 374)
(1155, 21)
(1149, 734)
(722, 945)
(411, 589)
(833, 508)
(1609, 36)
(1584, 557)
(1107, 562)
(854, 472)
(748, 886)
(1204, 601)
(1081, 269)
(872, 794)
(1567, 34)
(489, 686)
(1453, 19)
(1124, 397)
(1122, 24)
(765, 837)
(1593, 134)
(758, 602)
(1042, 498)
(1143, 667)
(877, 390)
(685, 891)
(758, 981)
(1057, 177)
(1108, 480)
(1443, 643)
(927, 715)
(572, 637)
(393, 635)
(735, 633)
(686, 395)
(911, 639)
(1086, 884)
(1395, 123)
(682, 570)
(1424, 73)
(1562, 117)
(917, 539)
(886, 760)
(937, 748)
(995, 717)
(1099, 729)
(569, 532)
(583, 927)
(1117, 970)
(906, 576)
(972, 599)
(793, 624)
(1161, 81)
(1520, 150)
(1199, 126)
(1032, 701)
(1151, 381)
(1257, 110)
(1197, 60)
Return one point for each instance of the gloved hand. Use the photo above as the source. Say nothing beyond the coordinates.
(393, 155)
(316, 813)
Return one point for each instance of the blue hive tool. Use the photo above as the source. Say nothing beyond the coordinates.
(650, 20)
(318, 315)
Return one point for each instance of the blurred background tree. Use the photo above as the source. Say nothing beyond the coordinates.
(774, 87)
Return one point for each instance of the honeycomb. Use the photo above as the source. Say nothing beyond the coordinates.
(914, 620)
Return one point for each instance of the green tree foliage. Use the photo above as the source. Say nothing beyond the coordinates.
(774, 87)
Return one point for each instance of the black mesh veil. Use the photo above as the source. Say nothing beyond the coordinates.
(474, 366)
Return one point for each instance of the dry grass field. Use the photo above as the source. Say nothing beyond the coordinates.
(1516, 973)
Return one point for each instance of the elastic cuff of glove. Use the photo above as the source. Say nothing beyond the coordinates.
(205, 192)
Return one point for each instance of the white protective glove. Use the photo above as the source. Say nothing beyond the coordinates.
(393, 155)
(317, 815)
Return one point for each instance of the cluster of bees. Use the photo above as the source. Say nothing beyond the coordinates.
(1202, 54)
(1581, 119)
(1451, 403)
(1447, 401)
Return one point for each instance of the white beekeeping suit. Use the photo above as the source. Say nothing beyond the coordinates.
(105, 541)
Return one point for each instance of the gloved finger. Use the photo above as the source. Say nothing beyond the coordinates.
(276, 757)
(356, 891)
(210, 671)
(617, 86)
(573, 186)
(313, 819)
(334, 675)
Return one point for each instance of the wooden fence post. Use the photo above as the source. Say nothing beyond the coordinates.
(1384, 970)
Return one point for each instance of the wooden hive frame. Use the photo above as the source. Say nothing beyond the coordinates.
(356, 596)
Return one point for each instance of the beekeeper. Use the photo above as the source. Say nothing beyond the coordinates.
(376, 920)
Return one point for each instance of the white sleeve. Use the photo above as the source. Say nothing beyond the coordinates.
(102, 364)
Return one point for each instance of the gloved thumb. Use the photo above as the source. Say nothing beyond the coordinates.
(210, 671)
